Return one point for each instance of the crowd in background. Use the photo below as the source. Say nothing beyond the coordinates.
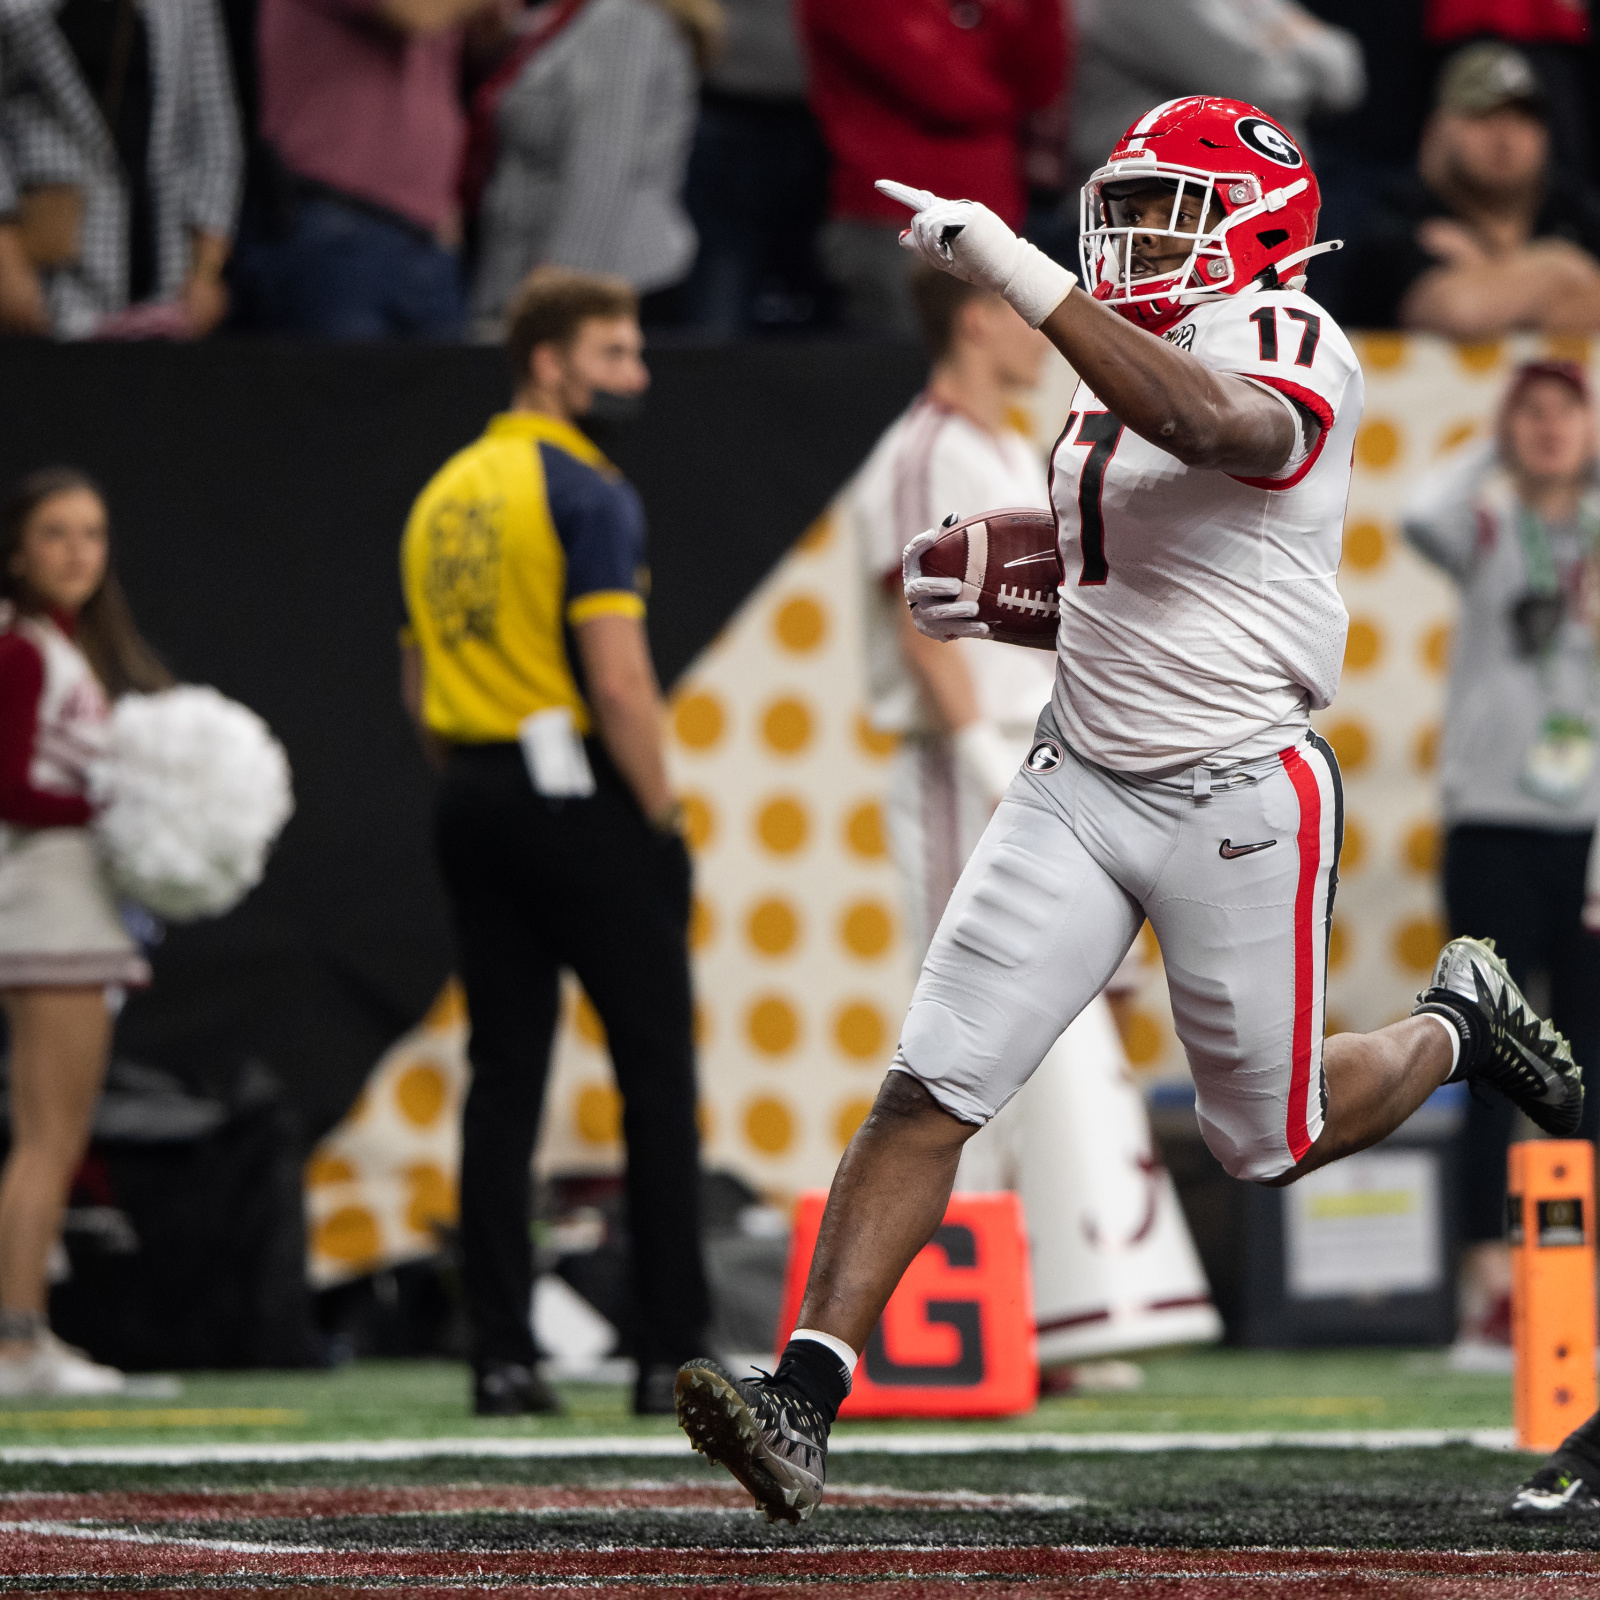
(368, 169)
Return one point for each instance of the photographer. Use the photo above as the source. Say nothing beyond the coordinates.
(1515, 524)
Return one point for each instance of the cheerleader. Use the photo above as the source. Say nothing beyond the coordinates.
(67, 645)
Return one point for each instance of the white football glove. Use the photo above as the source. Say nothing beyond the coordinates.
(969, 240)
(934, 606)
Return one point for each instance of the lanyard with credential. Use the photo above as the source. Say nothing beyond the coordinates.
(1561, 758)
(1537, 555)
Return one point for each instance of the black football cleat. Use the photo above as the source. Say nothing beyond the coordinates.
(766, 1433)
(1557, 1492)
(1512, 1046)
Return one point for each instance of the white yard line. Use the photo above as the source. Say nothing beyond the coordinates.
(94, 1533)
(976, 1441)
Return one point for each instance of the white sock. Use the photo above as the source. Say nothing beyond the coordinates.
(846, 1355)
(1453, 1034)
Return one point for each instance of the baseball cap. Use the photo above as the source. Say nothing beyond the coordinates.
(1484, 77)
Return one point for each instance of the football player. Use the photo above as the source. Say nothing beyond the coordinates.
(964, 712)
(1199, 490)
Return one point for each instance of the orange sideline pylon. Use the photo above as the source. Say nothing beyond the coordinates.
(1550, 1222)
(956, 1339)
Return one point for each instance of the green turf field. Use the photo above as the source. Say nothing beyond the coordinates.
(1210, 1391)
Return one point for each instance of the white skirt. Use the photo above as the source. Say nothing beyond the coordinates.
(58, 918)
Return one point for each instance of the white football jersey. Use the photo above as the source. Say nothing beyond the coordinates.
(1200, 616)
(931, 462)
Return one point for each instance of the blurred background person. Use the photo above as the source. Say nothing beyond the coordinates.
(1553, 35)
(758, 176)
(120, 168)
(67, 642)
(354, 225)
(583, 135)
(965, 709)
(556, 833)
(1486, 237)
(937, 95)
(1133, 54)
(1515, 524)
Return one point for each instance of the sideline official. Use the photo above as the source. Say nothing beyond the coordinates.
(524, 571)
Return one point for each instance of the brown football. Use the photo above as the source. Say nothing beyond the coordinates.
(1009, 562)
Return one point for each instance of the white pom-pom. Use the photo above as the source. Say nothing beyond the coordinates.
(192, 793)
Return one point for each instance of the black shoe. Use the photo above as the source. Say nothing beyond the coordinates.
(767, 1434)
(653, 1390)
(1512, 1046)
(1555, 1493)
(509, 1389)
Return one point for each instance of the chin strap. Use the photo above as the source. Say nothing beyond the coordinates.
(1325, 248)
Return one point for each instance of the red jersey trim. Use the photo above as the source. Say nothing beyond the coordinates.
(1316, 405)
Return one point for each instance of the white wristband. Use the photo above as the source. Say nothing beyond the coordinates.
(1037, 284)
(983, 759)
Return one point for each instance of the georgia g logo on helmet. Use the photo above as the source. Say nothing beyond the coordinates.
(1268, 141)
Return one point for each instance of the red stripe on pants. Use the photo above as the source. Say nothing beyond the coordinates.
(1309, 842)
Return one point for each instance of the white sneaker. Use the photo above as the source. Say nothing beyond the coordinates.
(54, 1368)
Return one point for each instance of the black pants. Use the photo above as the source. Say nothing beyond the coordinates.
(536, 885)
(1523, 888)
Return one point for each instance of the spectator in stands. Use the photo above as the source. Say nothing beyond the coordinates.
(1516, 524)
(1132, 54)
(1485, 238)
(934, 94)
(556, 829)
(1553, 35)
(354, 229)
(758, 176)
(590, 118)
(120, 168)
(67, 641)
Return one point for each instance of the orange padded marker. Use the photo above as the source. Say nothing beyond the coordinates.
(1550, 1222)
(956, 1339)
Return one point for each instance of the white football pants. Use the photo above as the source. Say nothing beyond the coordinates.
(1236, 870)
(1113, 1266)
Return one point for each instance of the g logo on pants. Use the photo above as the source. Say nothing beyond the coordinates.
(1044, 757)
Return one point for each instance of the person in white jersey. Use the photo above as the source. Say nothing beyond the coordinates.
(1075, 1143)
(1199, 490)
(964, 711)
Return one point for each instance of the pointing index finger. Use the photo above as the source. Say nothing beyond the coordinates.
(916, 199)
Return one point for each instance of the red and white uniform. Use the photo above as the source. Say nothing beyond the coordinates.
(932, 462)
(58, 917)
(52, 724)
(1200, 616)
(1174, 775)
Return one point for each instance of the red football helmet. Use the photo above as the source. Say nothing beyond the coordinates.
(1253, 203)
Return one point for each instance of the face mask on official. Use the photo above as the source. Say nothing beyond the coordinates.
(608, 405)
(598, 376)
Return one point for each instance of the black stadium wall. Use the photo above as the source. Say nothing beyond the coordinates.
(257, 493)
